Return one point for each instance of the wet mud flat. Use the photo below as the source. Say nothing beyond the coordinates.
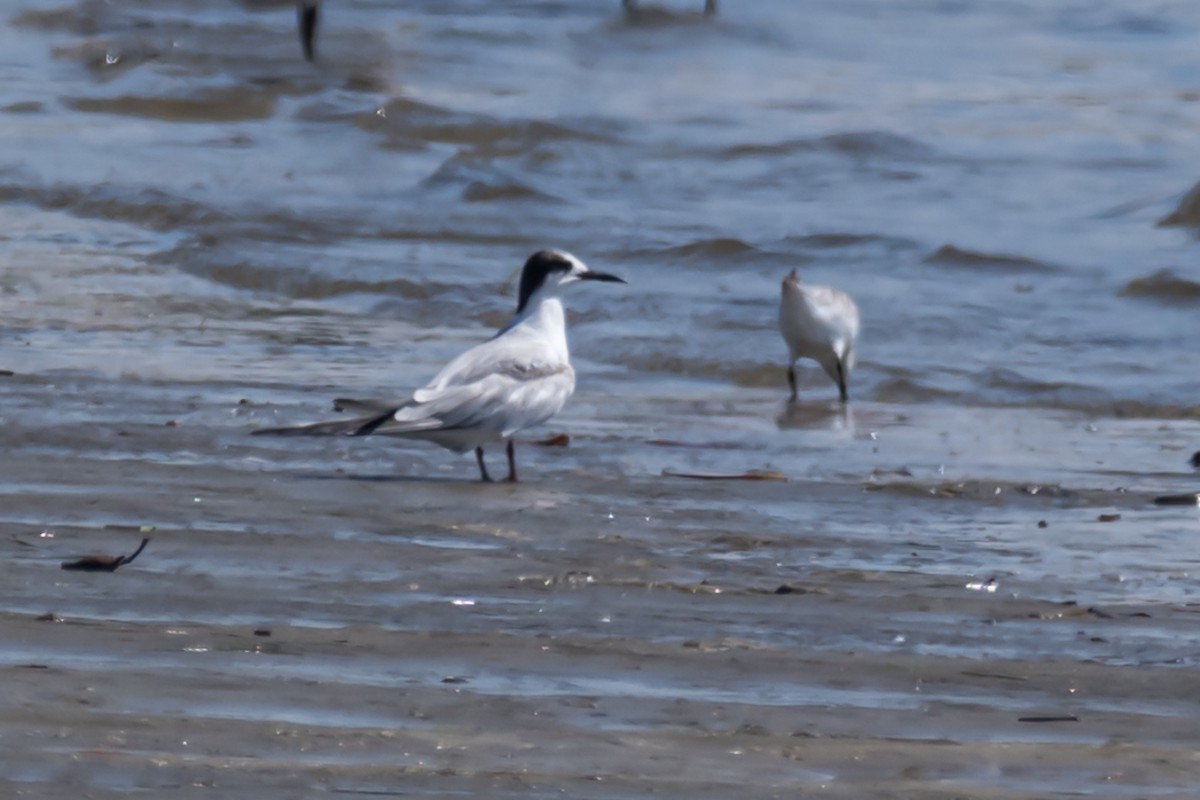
(371, 621)
(197, 708)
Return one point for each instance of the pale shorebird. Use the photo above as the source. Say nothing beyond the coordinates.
(519, 378)
(820, 323)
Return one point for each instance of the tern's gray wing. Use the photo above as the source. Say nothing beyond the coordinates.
(515, 351)
(511, 396)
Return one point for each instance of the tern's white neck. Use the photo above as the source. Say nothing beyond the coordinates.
(543, 317)
(544, 312)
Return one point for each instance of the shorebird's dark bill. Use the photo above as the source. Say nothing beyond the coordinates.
(592, 275)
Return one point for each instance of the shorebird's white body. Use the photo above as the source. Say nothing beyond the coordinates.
(820, 323)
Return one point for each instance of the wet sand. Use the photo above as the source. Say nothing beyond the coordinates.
(366, 710)
(320, 622)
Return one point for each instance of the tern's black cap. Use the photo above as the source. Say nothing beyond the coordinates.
(538, 267)
(551, 265)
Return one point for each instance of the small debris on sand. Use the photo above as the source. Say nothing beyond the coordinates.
(557, 440)
(104, 563)
(749, 475)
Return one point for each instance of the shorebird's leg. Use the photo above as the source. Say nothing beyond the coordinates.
(512, 461)
(483, 473)
(308, 12)
(843, 395)
(710, 7)
(792, 379)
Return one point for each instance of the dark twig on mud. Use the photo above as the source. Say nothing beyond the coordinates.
(104, 563)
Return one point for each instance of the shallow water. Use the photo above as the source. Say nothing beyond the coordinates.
(203, 234)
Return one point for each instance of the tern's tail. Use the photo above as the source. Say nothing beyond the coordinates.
(365, 406)
(359, 426)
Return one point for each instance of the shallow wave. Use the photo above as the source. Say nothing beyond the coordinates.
(84, 18)
(744, 373)
(404, 120)
(230, 104)
(904, 390)
(302, 284)
(482, 183)
(853, 143)
(106, 59)
(479, 191)
(143, 206)
(786, 252)
(1164, 287)
(949, 255)
(161, 211)
(1187, 213)
(158, 210)
(652, 15)
(988, 388)
(1005, 491)
(1001, 379)
(719, 248)
(1007, 388)
(833, 240)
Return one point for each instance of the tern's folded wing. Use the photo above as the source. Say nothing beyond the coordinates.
(510, 398)
(514, 352)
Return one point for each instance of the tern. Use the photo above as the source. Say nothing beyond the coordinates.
(519, 378)
(820, 323)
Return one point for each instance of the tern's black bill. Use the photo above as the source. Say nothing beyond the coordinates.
(592, 275)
